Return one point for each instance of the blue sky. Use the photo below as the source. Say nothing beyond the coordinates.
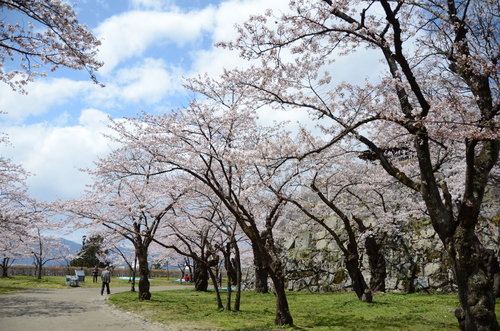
(148, 46)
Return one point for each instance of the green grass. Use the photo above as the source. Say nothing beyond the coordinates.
(19, 283)
(311, 311)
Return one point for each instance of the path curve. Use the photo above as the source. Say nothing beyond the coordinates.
(75, 309)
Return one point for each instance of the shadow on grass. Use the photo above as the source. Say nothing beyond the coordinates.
(353, 322)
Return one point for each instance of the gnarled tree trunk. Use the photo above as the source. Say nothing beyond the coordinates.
(261, 273)
(283, 315)
(376, 261)
(144, 286)
(470, 264)
(200, 276)
(5, 267)
(220, 306)
(358, 280)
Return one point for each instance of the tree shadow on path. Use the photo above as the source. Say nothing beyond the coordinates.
(38, 305)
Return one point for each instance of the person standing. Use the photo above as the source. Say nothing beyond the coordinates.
(95, 273)
(106, 278)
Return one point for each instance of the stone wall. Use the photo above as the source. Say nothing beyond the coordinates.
(415, 261)
(314, 263)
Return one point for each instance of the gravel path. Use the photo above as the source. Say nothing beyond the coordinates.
(75, 309)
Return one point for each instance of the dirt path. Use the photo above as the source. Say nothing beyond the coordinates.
(75, 309)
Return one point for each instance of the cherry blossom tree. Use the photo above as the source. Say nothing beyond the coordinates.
(65, 42)
(368, 206)
(280, 175)
(320, 185)
(24, 222)
(12, 247)
(126, 199)
(194, 238)
(45, 248)
(216, 144)
(202, 231)
(14, 199)
(438, 96)
(351, 250)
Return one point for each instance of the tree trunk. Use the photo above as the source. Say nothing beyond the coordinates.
(376, 261)
(220, 306)
(283, 316)
(5, 267)
(261, 276)
(39, 269)
(273, 262)
(237, 266)
(358, 281)
(200, 276)
(412, 278)
(261, 273)
(144, 286)
(264, 254)
(469, 260)
(134, 269)
(229, 294)
(351, 254)
(229, 271)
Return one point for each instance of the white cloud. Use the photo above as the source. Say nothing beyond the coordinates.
(42, 96)
(148, 82)
(144, 82)
(54, 154)
(131, 33)
(93, 119)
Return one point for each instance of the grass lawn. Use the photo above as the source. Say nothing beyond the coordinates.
(311, 311)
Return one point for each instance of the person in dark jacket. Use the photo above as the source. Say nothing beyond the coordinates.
(106, 278)
(95, 273)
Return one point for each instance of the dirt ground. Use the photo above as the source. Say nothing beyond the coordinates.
(75, 309)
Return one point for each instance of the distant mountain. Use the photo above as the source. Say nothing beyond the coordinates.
(74, 248)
